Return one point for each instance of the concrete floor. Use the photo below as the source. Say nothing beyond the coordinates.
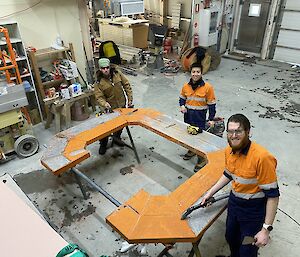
(268, 94)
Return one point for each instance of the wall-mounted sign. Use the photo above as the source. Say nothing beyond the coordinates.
(254, 10)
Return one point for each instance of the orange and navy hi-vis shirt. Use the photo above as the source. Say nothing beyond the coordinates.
(198, 99)
(252, 171)
(197, 102)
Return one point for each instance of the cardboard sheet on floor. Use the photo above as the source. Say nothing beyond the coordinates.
(23, 232)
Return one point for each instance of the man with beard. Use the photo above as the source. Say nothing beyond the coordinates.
(254, 196)
(112, 91)
(195, 99)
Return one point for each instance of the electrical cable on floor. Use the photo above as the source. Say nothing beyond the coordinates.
(289, 217)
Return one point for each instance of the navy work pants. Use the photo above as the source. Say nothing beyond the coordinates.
(245, 218)
(104, 141)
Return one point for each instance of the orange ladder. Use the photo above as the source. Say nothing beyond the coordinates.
(12, 58)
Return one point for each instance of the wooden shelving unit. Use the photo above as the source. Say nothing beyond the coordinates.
(43, 58)
(56, 107)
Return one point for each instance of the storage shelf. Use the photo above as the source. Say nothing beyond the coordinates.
(29, 91)
(52, 82)
(12, 40)
(44, 57)
(21, 58)
(50, 50)
(22, 76)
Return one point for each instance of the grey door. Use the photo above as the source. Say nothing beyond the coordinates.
(252, 26)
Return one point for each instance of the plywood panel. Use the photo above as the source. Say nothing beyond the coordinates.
(23, 232)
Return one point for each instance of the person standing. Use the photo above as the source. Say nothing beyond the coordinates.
(254, 195)
(195, 99)
(112, 90)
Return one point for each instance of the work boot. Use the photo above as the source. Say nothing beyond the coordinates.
(102, 149)
(118, 141)
(188, 155)
(201, 162)
(103, 144)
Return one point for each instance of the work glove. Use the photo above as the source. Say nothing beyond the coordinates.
(193, 130)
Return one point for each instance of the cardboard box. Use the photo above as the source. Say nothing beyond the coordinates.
(129, 34)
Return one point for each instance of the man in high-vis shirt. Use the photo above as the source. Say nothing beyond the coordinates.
(196, 97)
(254, 195)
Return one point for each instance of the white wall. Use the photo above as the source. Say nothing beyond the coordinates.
(45, 19)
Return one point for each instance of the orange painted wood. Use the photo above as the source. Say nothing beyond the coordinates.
(159, 217)
(74, 151)
(146, 218)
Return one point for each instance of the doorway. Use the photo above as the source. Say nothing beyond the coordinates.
(251, 25)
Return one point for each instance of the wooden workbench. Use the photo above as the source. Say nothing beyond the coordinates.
(62, 108)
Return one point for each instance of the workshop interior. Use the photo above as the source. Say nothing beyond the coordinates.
(59, 196)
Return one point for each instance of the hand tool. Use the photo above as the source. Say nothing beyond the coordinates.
(249, 240)
(208, 202)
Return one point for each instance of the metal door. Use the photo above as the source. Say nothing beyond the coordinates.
(287, 47)
(252, 25)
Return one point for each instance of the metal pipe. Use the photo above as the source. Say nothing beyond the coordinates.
(85, 196)
(95, 186)
(133, 146)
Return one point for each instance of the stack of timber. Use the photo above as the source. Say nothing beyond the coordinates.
(176, 9)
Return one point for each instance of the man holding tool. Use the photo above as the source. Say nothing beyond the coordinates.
(112, 91)
(254, 196)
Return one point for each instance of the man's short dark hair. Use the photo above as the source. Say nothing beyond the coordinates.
(196, 65)
(240, 118)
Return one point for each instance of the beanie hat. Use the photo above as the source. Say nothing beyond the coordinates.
(103, 62)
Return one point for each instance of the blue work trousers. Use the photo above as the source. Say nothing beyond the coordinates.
(245, 218)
